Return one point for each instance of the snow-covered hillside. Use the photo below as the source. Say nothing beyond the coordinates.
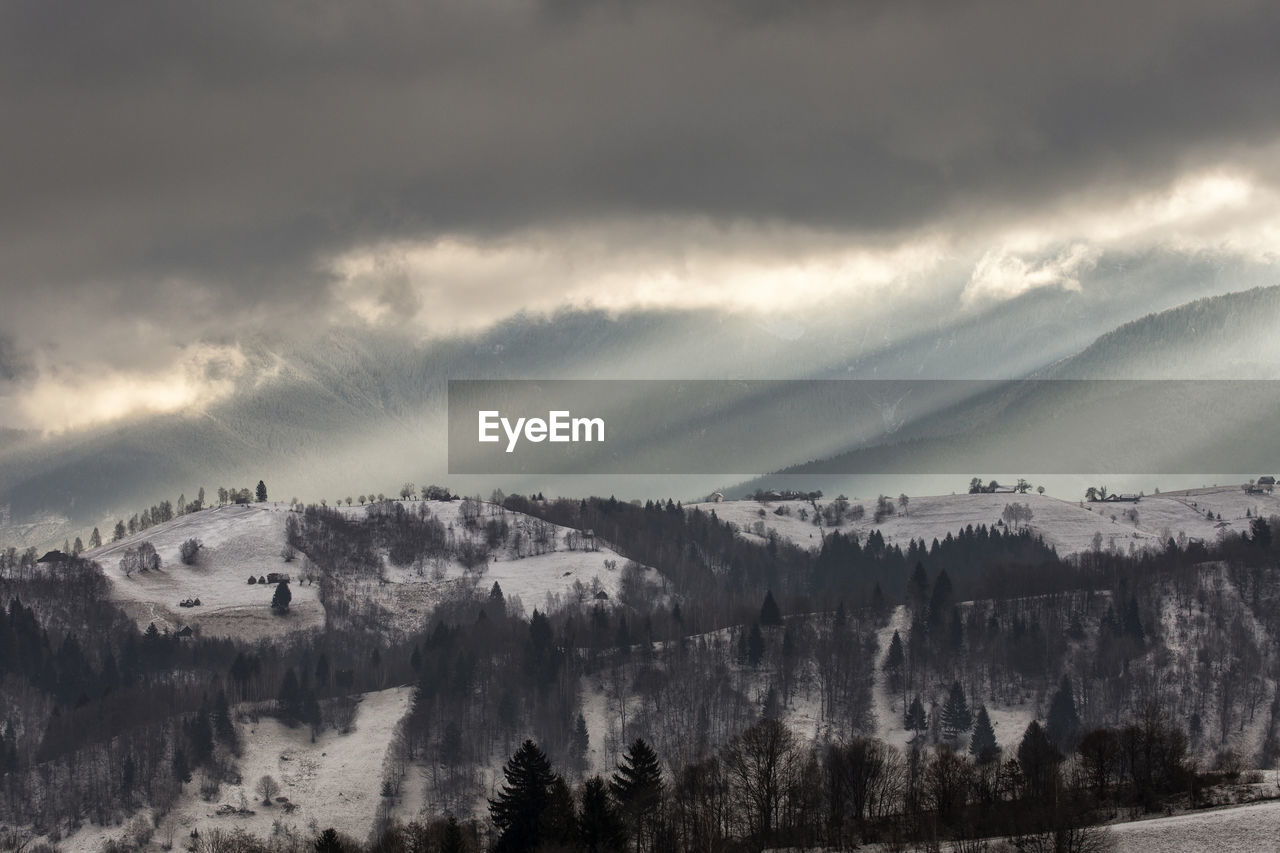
(538, 580)
(239, 541)
(1070, 526)
(1009, 723)
(334, 781)
(1252, 827)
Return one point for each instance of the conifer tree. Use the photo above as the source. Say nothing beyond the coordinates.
(451, 839)
(223, 727)
(638, 787)
(915, 720)
(600, 828)
(559, 820)
(580, 743)
(518, 809)
(956, 716)
(983, 746)
(95, 539)
(917, 587)
(1038, 759)
(770, 614)
(290, 697)
(1063, 723)
(281, 598)
(895, 665)
(940, 599)
(329, 842)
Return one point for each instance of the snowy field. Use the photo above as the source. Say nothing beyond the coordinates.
(532, 578)
(335, 781)
(1253, 828)
(247, 540)
(238, 541)
(1070, 526)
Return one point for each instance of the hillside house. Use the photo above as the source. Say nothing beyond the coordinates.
(1264, 484)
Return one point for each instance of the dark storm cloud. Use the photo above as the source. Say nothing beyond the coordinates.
(239, 141)
(178, 173)
(12, 364)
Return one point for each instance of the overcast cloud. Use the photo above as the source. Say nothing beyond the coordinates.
(180, 178)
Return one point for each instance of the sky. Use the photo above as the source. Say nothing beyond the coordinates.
(180, 180)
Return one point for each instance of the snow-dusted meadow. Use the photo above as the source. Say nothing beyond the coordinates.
(1068, 525)
(544, 581)
(1254, 828)
(335, 781)
(238, 541)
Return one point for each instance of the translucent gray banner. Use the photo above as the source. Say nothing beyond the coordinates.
(962, 427)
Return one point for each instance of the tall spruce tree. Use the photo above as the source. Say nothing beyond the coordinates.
(956, 716)
(600, 828)
(983, 746)
(1039, 759)
(638, 787)
(559, 819)
(895, 666)
(519, 807)
(915, 720)
(940, 600)
(918, 588)
(1063, 723)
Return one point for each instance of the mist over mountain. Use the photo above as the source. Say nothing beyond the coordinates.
(357, 410)
(1205, 428)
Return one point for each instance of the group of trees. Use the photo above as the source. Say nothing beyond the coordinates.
(535, 809)
(703, 669)
(166, 511)
(977, 487)
(1016, 514)
(102, 718)
(140, 558)
(767, 788)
